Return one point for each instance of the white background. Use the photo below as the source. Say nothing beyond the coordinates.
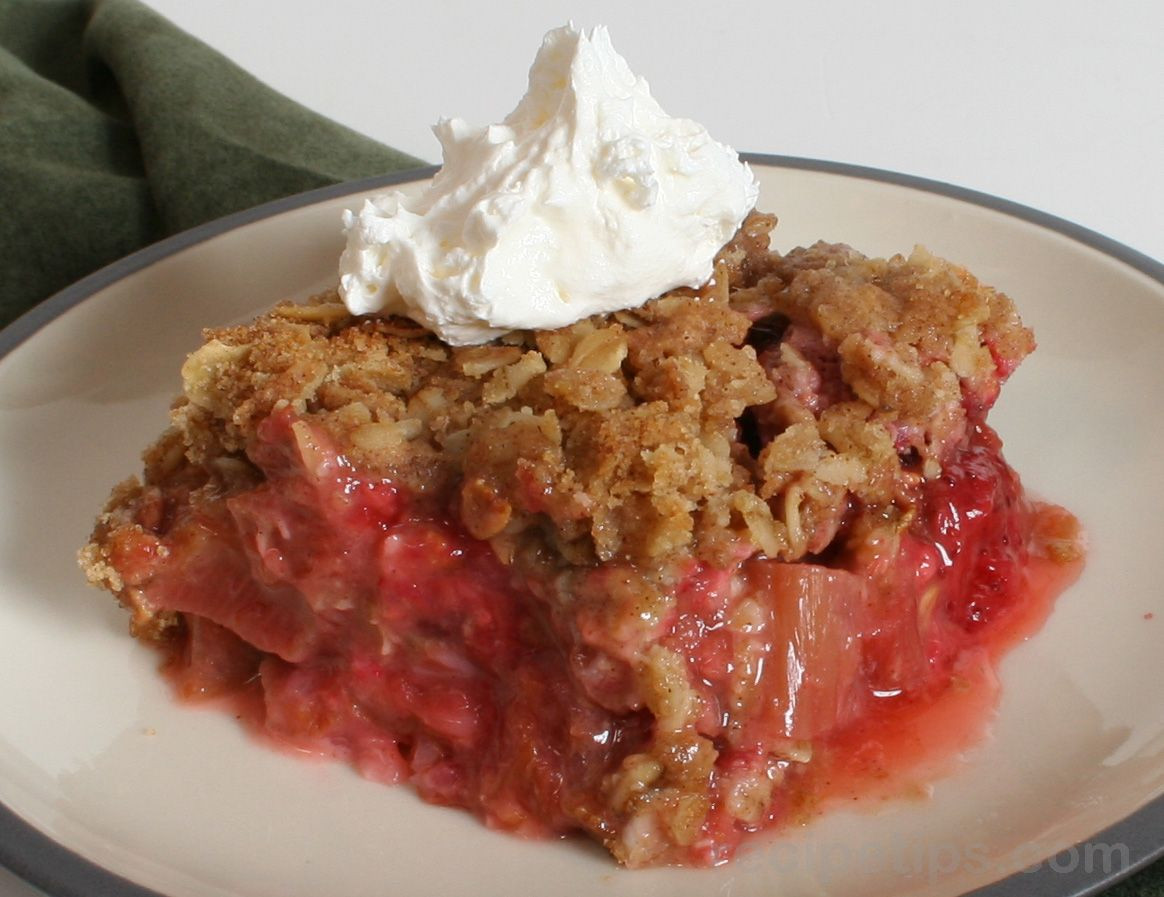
(1057, 105)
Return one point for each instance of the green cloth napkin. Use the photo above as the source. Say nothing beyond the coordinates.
(117, 129)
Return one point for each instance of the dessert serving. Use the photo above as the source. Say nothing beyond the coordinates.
(580, 507)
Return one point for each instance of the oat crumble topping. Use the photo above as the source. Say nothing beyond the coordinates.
(754, 414)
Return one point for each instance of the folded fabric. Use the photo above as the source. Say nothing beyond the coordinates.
(117, 129)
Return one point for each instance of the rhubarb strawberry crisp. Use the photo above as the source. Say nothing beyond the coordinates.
(662, 576)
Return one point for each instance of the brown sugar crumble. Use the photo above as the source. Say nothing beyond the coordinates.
(756, 413)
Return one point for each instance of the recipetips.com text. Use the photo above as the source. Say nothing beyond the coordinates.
(925, 860)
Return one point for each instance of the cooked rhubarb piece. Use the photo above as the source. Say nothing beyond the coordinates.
(666, 577)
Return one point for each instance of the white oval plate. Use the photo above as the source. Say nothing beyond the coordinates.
(113, 788)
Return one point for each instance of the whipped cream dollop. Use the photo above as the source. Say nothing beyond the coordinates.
(587, 198)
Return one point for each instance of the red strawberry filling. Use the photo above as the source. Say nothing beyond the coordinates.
(378, 631)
